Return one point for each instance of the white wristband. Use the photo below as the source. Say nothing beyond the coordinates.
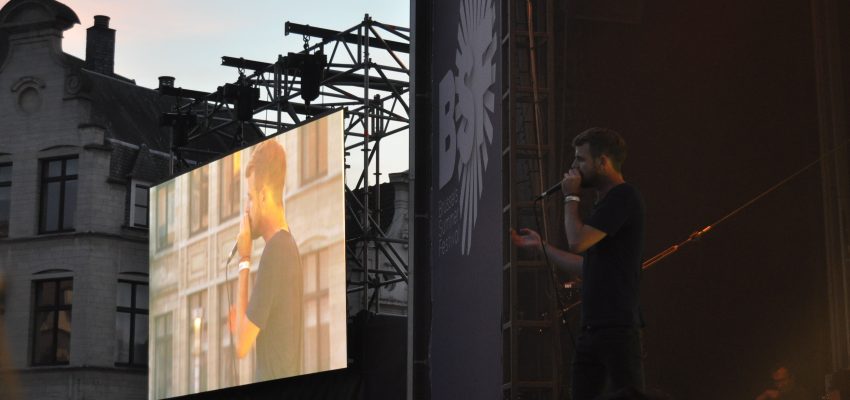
(570, 198)
(244, 265)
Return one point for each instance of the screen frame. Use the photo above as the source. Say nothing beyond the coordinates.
(152, 237)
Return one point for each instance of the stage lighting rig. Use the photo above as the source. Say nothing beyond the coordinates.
(243, 96)
(181, 124)
(311, 69)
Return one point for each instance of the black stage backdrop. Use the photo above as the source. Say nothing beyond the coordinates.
(466, 201)
(717, 101)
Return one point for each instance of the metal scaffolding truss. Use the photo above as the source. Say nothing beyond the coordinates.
(532, 326)
(361, 69)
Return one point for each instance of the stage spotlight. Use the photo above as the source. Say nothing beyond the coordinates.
(243, 97)
(311, 69)
(181, 125)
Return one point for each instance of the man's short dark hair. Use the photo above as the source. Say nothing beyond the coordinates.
(604, 141)
(268, 162)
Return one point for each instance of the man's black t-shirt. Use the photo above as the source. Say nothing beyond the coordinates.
(796, 393)
(611, 269)
(276, 308)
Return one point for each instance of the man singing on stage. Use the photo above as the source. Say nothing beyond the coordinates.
(273, 316)
(608, 350)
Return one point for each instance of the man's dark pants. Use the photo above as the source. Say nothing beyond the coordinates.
(612, 355)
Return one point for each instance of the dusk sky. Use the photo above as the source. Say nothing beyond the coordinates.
(186, 39)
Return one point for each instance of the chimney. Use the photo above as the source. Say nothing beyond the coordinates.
(166, 82)
(100, 46)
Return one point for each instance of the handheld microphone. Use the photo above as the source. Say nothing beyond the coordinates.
(232, 253)
(555, 188)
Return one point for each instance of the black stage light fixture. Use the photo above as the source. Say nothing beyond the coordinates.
(312, 75)
(181, 125)
(311, 69)
(243, 97)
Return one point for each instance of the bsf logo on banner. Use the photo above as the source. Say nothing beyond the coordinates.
(466, 106)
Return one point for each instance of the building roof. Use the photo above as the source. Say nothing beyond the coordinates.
(129, 113)
(23, 15)
(386, 210)
(139, 163)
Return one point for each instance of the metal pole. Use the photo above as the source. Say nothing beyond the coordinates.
(277, 94)
(376, 130)
(364, 39)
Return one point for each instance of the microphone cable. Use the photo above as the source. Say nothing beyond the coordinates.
(230, 332)
(553, 290)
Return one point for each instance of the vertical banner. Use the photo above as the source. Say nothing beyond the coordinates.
(466, 344)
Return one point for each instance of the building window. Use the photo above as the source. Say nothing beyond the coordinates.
(5, 197)
(139, 204)
(163, 357)
(314, 152)
(51, 333)
(198, 343)
(199, 185)
(131, 324)
(165, 215)
(58, 194)
(230, 186)
(316, 311)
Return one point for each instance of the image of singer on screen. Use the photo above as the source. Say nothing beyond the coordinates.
(269, 314)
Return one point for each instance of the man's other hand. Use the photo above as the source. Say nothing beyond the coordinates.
(526, 239)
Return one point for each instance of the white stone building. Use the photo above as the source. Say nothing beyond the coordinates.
(79, 146)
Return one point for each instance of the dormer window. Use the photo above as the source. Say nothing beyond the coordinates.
(139, 204)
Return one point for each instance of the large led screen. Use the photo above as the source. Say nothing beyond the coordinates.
(247, 265)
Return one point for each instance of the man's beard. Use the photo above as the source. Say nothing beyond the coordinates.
(587, 181)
